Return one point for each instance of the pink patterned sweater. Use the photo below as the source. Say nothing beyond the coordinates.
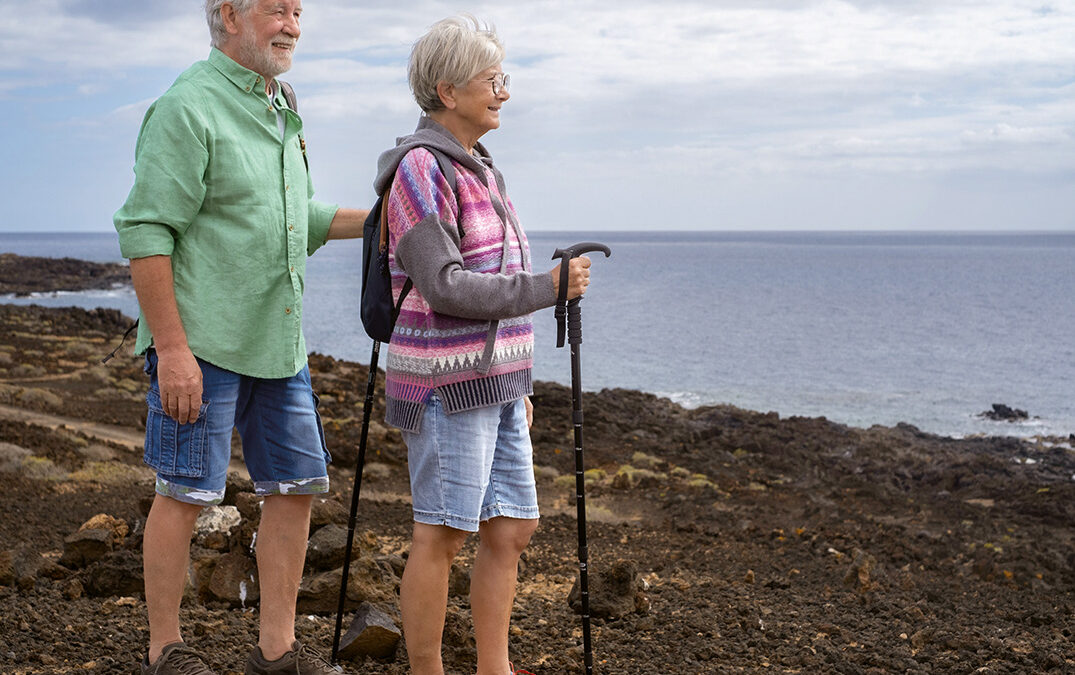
(464, 330)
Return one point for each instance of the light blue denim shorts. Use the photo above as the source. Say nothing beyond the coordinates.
(283, 441)
(470, 466)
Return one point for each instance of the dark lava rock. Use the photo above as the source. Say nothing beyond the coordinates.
(85, 547)
(1003, 413)
(614, 593)
(372, 633)
(118, 573)
(23, 275)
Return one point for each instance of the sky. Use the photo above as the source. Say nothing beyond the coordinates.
(625, 115)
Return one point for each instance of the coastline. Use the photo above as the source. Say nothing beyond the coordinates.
(751, 542)
(767, 380)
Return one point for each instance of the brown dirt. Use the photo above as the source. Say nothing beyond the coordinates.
(768, 545)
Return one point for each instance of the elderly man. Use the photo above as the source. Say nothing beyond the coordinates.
(218, 226)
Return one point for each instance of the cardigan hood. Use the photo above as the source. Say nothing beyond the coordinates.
(431, 134)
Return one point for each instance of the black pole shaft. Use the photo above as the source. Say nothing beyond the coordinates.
(574, 332)
(367, 410)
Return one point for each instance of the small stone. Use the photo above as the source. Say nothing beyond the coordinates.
(372, 633)
(326, 511)
(234, 580)
(73, 590)
(102, 521)
(118, 573)
(327, 547)
(613, 594)
(85, 547)
(214, 526)
(459, 581)
(859, 574)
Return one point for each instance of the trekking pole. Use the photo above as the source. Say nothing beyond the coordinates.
(570, 310)
(367, 409)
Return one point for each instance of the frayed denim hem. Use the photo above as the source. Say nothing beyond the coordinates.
(510, 511)
(454, 522)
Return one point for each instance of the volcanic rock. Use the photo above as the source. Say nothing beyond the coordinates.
(235, 580)
(372, 633)
(327, 547)
(1003, 413)
(613, 594)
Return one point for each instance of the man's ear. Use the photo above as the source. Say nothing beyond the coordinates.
(230, 18)
(446, 92)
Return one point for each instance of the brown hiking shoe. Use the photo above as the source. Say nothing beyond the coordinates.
(177, 659)
(301, 660)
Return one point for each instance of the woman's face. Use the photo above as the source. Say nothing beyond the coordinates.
(477, 105)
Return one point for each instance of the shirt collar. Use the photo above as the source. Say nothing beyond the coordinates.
(241, 77)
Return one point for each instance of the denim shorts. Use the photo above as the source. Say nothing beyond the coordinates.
(470, 466)
(283, 441)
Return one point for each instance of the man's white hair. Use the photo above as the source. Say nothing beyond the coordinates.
(218, 34)
(453, 51)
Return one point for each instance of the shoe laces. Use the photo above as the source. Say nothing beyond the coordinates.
(185, 657)
(310, 654)
(518, 672)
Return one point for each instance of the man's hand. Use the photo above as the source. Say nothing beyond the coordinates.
(180, 380)
(529, 412)
(578, 277)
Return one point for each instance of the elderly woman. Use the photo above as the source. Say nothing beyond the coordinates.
(459, 361)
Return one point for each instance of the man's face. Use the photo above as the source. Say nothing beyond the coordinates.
(267, 36)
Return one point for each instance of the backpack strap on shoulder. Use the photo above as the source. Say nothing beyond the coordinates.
(293, 102)
(448, 169)
(289, 95)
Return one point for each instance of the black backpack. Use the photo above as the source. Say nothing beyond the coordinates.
(378, 312)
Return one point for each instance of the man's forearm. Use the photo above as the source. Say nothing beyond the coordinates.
(155, 287)
(347, 224)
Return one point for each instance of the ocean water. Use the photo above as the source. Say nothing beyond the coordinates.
(862, 328)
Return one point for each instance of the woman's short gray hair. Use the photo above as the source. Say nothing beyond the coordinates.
(453, 51)
(218, 34)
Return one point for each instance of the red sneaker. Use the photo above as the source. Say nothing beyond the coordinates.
(518, 672)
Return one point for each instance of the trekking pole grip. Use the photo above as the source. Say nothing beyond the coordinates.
(566, 255)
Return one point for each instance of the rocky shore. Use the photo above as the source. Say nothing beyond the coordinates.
(24, 275)
(721, 540)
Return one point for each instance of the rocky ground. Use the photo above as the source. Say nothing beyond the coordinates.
(721, 540)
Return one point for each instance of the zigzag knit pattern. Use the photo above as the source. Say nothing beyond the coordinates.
(431, 351)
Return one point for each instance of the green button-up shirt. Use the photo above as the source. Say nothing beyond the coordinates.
(221, 191)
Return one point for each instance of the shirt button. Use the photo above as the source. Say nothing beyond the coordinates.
(291, 227)
(292, 268)
(287, 310)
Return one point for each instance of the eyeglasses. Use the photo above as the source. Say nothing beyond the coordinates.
(500, 81)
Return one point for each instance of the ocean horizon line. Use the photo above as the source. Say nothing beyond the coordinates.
(671, 232)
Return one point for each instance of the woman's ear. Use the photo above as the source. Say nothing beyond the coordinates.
(446, 92)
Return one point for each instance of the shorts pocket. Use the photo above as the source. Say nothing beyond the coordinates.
(175, 449)
(321, 430)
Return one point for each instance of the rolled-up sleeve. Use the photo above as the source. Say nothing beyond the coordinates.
(171, 157)
(320, 219)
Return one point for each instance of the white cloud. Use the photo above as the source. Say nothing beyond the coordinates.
(634, 94)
